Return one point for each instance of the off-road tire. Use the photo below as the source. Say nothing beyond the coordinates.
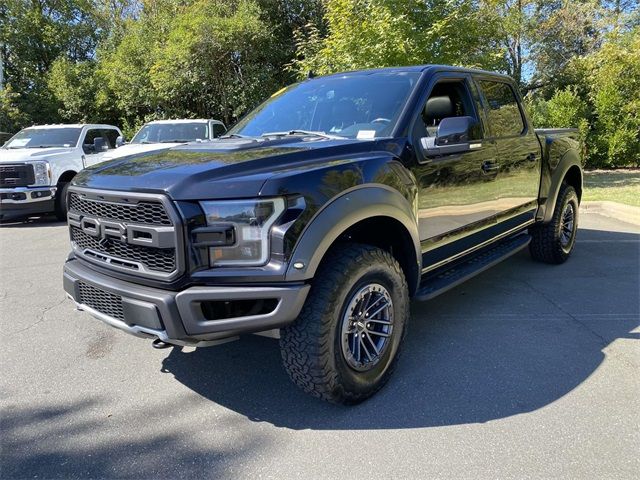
(61, 202)
(546, 243)
(311, 346)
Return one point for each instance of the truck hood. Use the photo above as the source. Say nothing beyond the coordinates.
(137, 148)
(221, 168)
(14, 155)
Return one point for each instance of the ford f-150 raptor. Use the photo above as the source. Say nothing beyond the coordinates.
(320, 215)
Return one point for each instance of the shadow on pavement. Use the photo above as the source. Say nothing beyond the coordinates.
(512, 340)
(31, 222)
(54, 450)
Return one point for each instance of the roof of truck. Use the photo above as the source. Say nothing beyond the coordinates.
(420, 68)
(73, 125)
(185, 120)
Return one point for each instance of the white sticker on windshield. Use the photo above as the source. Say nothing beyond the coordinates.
(366, 134)
(20, 142)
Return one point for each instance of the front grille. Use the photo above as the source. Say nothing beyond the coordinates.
(148, 213)
(132, 233)
(16, 176)
(157, 259)
(101, 301)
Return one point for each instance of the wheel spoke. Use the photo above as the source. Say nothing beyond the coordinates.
(373, 344)
(379, 334)
(364, 347)
(386, 304)
(377, 320)
(369, 307)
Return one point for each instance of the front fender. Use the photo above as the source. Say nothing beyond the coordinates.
(344, 211)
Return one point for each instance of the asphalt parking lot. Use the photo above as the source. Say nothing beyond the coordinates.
(527, 371)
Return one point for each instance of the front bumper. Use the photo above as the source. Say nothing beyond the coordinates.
(24, 201)
(178, 317)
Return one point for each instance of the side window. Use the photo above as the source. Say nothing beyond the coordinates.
(218, 130)
(447, 99)
(89, 139)
(111, 136)
(87, 143)
(504, 116)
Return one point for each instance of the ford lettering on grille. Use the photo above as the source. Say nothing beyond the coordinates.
(119, 239)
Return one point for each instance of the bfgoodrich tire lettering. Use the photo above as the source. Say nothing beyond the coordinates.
(312, 347)
(553, 242)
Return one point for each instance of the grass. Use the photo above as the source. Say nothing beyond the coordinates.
(622, 186)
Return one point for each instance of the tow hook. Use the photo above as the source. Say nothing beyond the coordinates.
(159, 344)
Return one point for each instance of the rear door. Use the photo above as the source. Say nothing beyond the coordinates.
(519, 154)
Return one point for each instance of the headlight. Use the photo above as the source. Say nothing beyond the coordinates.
(247, 224)
(42, 173)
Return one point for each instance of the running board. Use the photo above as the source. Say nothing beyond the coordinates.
(439, 281)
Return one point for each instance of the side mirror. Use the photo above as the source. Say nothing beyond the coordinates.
(119, 141)
(453, 136)
(99, 145)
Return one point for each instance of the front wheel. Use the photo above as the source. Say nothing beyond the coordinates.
(344, 345)
(61, 202)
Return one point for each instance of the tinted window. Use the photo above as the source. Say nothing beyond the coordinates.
(448, 99)
(218, 130)
(44, 137)
(504, 115)
(355, 105)
(87, 143)
(111, 136)
(172, 133)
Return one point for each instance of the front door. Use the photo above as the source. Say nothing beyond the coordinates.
(457, 191)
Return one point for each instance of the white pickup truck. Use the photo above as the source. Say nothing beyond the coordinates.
(163, 134)
(37, 164)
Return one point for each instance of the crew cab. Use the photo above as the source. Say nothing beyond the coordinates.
(37, 164)
(164, 134)
(321, 215)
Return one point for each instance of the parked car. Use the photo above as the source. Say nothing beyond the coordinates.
(164, 134)
(320, 215)
(37, 164)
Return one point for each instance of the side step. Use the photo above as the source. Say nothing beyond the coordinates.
(439, 281)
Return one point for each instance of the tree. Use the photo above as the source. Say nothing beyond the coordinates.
(382, 33)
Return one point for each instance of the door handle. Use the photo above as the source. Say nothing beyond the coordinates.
(489, 166)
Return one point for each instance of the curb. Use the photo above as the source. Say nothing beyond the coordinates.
(619, 211)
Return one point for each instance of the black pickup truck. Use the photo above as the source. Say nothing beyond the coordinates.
(320, 215)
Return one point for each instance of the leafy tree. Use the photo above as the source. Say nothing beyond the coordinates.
(612, 79)
(370, 33)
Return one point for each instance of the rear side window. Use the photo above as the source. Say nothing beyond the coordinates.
(505, 118)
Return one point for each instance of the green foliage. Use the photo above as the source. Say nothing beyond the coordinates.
(612, 76)
(565, 108)
(130, 61)
(382, 33)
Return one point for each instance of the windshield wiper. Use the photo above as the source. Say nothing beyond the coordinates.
(303, 132)
(236, 135)
(176, 141)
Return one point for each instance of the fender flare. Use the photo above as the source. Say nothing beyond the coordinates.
(341, 213)
(569, 160)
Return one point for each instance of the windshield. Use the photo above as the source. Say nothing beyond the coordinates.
(44, 137)
(352, 106)
(172, 133)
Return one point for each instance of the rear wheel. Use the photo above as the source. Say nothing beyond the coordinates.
(553, 242)
(61, 201)
(344, 345)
